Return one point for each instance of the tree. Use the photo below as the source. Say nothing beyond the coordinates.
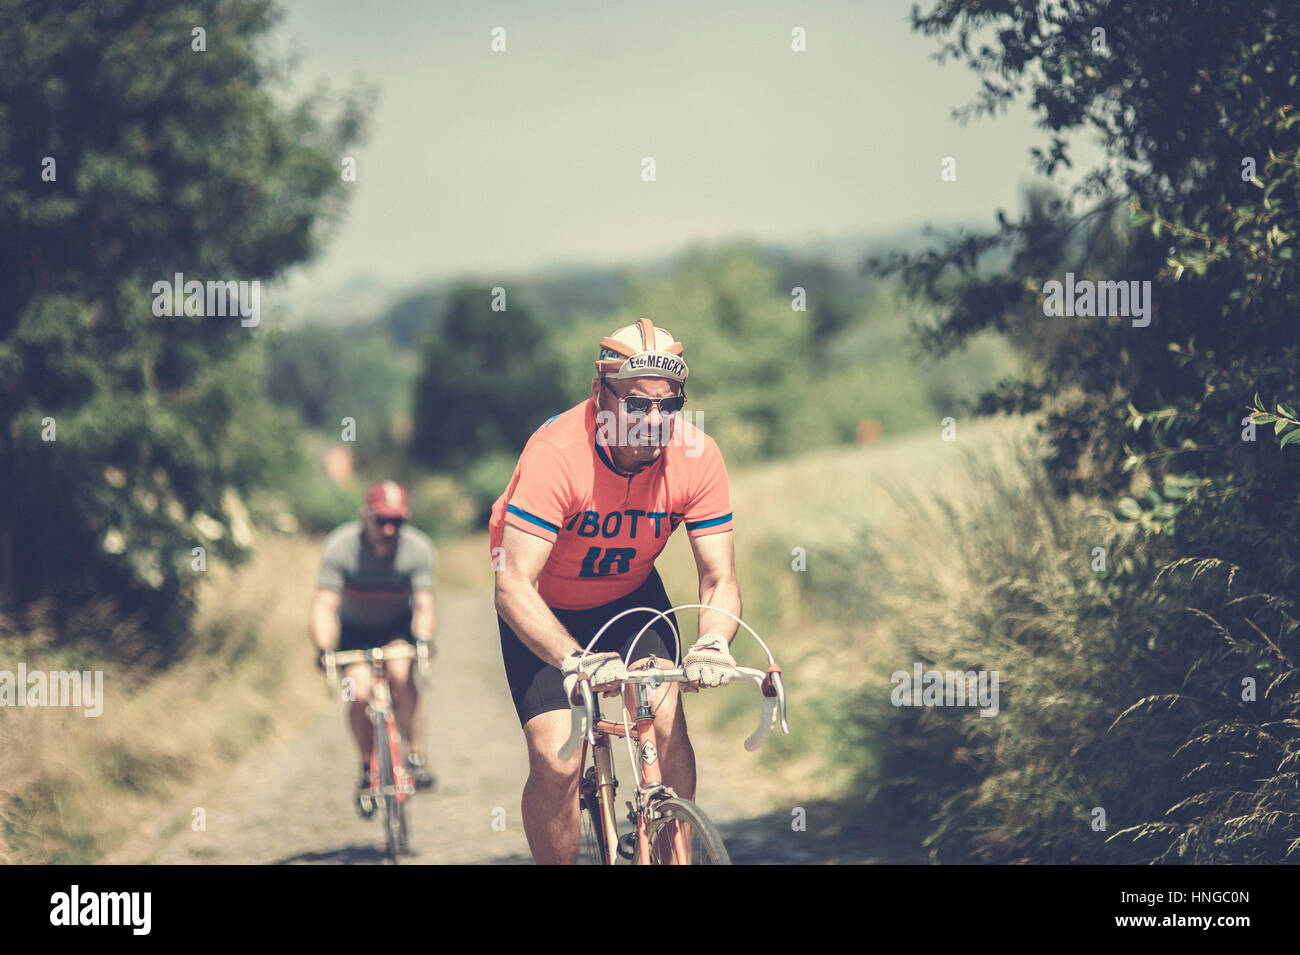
(332, 373)
(488, 380)
(140, 140)
(1183, 94)
(1195, 104)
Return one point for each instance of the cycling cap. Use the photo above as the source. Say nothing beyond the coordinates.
(641, 351)
(387, 499)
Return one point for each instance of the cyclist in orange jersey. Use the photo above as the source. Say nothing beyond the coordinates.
(593, 499)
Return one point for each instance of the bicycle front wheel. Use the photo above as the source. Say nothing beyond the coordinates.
(591, 847)
(681, 834)
(392, 806)
(403, 834)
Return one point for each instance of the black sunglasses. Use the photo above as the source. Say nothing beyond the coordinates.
(394, 521)
(639, 404)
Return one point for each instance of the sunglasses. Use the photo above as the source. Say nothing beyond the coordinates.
(390, 521)
(640, 405)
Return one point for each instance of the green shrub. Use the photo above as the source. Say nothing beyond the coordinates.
(1000, 579)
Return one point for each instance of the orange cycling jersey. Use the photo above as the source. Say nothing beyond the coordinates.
(607, 526)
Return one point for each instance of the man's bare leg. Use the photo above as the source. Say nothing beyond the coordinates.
(408, 704)
(359, 674)
(550, 800)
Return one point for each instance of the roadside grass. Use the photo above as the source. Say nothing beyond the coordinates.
(1073, 616)
(72, 787)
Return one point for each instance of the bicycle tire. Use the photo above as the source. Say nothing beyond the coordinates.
(403, 833)
(706, 846)
(399, 754)
(386, 784)
(591, 845)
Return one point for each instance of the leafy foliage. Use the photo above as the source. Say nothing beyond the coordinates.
(166, 159)
(1198, 195)
(328, 374)
(488, 380)
(769, 381)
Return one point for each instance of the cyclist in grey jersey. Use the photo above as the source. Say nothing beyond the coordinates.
(375, 588)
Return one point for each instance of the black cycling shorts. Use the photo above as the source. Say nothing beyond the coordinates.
(537, 687)
(352, 637)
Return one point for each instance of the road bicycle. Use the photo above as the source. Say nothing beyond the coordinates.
(666, 828)
(391, 785)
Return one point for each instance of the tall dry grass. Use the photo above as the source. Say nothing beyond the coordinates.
(1122, 734)
(72, 787)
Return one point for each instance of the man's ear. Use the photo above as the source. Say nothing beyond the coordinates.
(595, 390)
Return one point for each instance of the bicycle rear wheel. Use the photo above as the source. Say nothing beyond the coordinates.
(700, 839)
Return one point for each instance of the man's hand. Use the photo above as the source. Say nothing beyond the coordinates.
(709, 662)
(600, 668)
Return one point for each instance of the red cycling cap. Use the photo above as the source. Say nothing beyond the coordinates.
(387, 499)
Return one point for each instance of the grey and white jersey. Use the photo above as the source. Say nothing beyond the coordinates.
(376, 592)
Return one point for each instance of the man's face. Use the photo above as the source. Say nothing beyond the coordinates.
(381, 533)
(639, 438)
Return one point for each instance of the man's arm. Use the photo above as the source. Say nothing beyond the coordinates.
(324, 624)
(423, 622)
(422, 615)
(715, 560)
(519, 603)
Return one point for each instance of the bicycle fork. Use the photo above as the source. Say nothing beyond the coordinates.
(387, 749)
(650, 787)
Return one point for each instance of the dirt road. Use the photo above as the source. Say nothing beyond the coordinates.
(289, 802)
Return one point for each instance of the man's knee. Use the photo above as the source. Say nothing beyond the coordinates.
(553, 775)
(404, 688)
(670, 721)
(356, 685)
(545, 734)
(399, 671)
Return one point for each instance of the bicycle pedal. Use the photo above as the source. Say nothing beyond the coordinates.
(627, 845)
(365, 806)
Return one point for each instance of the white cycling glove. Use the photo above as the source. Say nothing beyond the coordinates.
(709, 662)
(599, 667)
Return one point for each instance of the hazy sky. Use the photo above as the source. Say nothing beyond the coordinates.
(480, 162)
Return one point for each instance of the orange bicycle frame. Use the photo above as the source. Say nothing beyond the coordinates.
(650, 782)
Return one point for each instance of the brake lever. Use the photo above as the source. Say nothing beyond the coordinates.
(331, 673)
(580, 725)
(773, 691)
(585, 687)
(423, 652)
(779, 685)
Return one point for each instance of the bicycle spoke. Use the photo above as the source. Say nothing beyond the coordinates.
(683, 835)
